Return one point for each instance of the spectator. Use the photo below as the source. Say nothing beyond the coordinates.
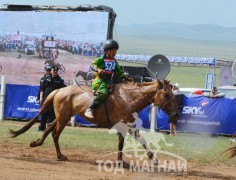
(214, 93)
(178, 99)
(175, 89)
(47, 73)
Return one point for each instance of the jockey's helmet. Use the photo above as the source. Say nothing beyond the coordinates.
(110, 44)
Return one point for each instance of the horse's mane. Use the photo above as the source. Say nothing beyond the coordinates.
(135, 86)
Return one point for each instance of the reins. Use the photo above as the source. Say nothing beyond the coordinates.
(81, 87)
(162, 107)
(168, 102)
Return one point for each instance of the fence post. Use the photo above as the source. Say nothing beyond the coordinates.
(2, 97)
(153, 118)
(72, 119)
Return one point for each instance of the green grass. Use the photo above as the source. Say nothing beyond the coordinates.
(193, 147)
(191, 76)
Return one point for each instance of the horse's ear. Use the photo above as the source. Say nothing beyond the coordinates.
(159, 84)
(166, 82)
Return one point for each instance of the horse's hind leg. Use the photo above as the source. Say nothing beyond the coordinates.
(55, 134)
(49, 129)
(120, 145)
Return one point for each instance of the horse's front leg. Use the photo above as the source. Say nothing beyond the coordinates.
(56, 134)
(120, 146)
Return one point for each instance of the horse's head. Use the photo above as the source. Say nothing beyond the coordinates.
(165, 99)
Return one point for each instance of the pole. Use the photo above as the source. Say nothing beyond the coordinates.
(2, 97)
(153, 118)
(72, 119)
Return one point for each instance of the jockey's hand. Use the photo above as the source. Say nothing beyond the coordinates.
(100, 71)
(128, 78)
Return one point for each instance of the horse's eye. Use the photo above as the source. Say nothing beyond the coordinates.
(166, 95)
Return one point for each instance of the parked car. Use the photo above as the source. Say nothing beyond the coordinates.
(229, 91)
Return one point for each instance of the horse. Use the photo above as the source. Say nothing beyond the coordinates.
(87, 76)
(126, 99)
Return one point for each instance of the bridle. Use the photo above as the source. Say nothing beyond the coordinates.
(164, 105)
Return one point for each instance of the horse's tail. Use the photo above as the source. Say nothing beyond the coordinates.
(231, 152)
(46, 106)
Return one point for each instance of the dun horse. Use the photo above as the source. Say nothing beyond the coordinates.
(125, 100)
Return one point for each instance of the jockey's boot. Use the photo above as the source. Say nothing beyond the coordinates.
(95, 103)
(89, 113)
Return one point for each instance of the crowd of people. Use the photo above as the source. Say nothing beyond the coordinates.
(20, 42)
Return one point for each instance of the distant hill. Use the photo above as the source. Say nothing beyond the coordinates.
(173, 39)
(196, 32)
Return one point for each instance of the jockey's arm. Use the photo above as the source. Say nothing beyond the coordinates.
(119, 71)
(97, 65)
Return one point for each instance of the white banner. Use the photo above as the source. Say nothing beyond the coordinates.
(145, 58)
(226, 78)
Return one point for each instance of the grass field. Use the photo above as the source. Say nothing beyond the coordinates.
(193, 147)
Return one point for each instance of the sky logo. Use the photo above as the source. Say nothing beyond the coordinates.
(192, 110)
(33, 99)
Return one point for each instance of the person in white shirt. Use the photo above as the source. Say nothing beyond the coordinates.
(175, 89)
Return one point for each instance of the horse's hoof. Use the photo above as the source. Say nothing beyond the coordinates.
(33, 144)
(62, 158)
(150, 155)
(126, 165)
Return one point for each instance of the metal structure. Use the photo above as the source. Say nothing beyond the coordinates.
(84, 8)
(158, 68)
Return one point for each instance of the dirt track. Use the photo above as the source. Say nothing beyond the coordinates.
(19, 161)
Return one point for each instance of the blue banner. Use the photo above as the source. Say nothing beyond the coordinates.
(21, 101)
(203, 115)
(208, 115)
(199, 114)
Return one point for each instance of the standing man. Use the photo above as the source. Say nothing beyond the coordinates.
(47, 73)
(104, 67)
(49, 84)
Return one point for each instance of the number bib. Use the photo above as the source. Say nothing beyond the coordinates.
(110, 65)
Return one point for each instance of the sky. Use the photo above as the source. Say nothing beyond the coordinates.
(220, 12)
